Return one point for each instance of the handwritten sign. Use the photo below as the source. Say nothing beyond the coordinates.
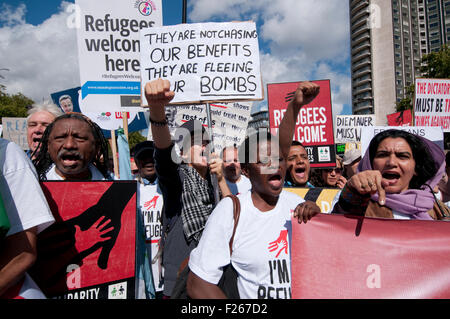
(229, 121)
(15, 130)
(432, 103)
(204, 61)
(348, 127)
(108, 51)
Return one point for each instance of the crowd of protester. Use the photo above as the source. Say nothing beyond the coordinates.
(194, 189)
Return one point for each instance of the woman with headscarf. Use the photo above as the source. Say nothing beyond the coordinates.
(396, 179)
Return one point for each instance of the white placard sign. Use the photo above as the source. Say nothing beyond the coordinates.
(434, 134)
(204, 61)
(108, 51)
(348, 127)
(15, 130)
(229, 121)
(432, 103)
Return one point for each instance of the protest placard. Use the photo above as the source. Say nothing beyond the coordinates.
(107, 120)
(15, 130)
(402, 118)
(369, 258)
(89, 252)
(323, 197)
(229, 121)
(204, 61)
(348, 127)
(314, 126)
(108, 51)
(432, 103)
(434, 134)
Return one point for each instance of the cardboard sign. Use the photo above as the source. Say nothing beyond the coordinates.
(348, 127)
(314, 127)
(108, 51)
(337, 256)
(82, 255)
(229, 121)
(434, 134)
(432, 103)
(15, 130)
(403, 118)
(204, 61)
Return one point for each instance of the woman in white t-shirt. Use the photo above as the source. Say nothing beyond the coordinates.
(261, 246)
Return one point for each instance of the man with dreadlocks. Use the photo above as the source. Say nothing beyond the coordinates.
(72, 148)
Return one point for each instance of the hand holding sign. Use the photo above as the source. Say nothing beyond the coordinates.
(305, 211)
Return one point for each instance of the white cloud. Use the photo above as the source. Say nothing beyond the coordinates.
(303, 39)
(41, 59)
(300, 40)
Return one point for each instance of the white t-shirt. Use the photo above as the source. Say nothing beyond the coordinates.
(24, 201)
(261, 247)
(241, 186)
(150, 207)
(95, 174)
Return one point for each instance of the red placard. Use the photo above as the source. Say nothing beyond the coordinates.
(337, 256)
(403, 118)
(314, 127)
(89, 252)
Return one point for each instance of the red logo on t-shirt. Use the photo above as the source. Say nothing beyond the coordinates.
(281, 244)
(151, 203)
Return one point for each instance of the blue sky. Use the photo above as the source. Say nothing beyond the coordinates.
(299, 40)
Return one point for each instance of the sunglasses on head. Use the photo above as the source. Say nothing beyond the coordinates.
(336, 169)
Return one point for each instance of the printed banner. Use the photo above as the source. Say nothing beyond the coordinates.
(204, 61)
(89, 252)
(403, 118)
(434, 134)
(432, 103)
(108, 51)
(15, 130)
(348, 127)
(348, 257)
(314, 127)
(324, 197)
(69, 101)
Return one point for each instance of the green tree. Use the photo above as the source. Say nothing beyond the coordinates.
(13, 105)
(406, 103)
(135, 138)
(437, 64)
(434, 65)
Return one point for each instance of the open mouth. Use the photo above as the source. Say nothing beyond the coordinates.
(391, 177)
(275, 180)
(69, 159)
(300, 172)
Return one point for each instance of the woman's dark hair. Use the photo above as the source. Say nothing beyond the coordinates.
(43, 162)
(316, 178)
(425, 165)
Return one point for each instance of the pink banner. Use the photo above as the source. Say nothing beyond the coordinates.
(337, 256)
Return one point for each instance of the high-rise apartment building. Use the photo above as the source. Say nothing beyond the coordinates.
(388, 40)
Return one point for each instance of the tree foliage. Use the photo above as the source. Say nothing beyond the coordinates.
(437, 64)
(434, 65)
(13, 105)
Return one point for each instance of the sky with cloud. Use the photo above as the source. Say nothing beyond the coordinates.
(299, 40)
